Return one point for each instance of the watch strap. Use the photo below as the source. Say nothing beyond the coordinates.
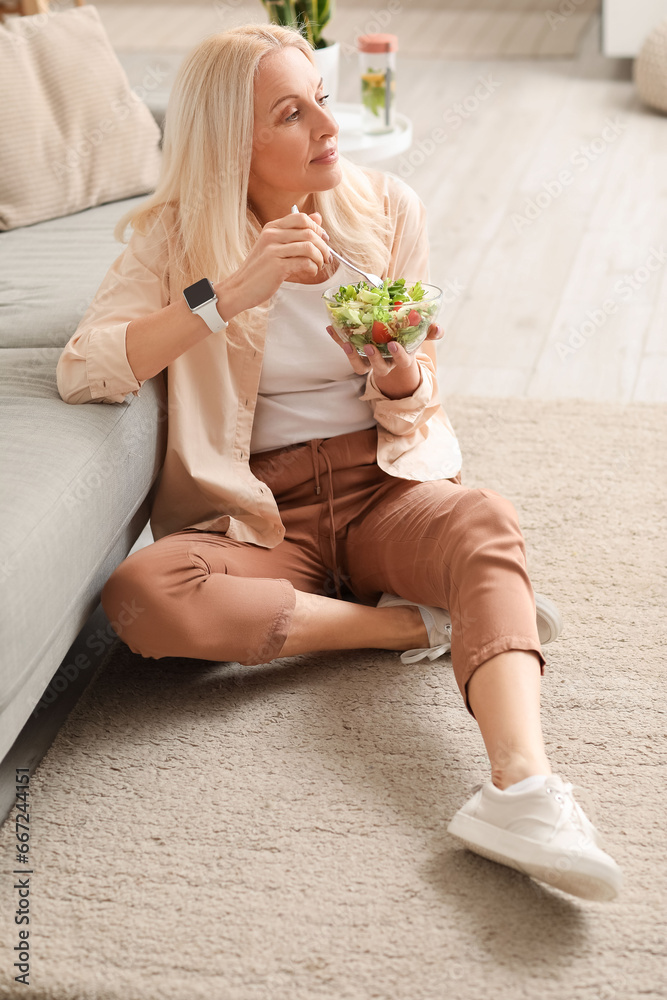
(209, 313)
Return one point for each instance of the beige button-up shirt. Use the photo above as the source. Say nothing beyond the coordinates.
(206, 481)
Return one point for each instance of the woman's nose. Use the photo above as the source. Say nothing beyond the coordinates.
(329, 124)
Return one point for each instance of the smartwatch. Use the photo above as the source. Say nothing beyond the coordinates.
(202, 300)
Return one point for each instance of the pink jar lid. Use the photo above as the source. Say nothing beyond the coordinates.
(377, 43)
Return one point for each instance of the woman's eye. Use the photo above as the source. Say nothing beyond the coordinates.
(292, 117)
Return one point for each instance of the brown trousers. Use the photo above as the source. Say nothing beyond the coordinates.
(200, 594)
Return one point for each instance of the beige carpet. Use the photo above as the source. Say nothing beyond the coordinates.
(278, 832)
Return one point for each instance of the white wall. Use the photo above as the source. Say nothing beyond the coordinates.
(626, 23)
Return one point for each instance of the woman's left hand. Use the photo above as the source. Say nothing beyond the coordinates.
(397, 378)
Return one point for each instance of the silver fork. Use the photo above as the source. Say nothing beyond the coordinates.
(372, 279)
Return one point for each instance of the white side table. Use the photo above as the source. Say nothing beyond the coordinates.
(363, 148)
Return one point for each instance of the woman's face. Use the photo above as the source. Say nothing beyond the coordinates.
(293, 127)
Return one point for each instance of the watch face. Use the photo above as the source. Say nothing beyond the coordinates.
(196, 295)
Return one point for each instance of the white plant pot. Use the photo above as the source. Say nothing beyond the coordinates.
(328, 60)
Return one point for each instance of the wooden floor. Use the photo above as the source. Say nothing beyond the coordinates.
(548, 205)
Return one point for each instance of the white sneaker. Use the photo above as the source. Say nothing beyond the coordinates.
(549, 619)
(542, 832)
(439, 626)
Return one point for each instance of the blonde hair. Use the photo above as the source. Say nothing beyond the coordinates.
(206, 154)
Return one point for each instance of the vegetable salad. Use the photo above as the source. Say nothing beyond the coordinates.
(363, 314)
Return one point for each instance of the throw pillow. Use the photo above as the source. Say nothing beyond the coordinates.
(650, 69)
(74, 134)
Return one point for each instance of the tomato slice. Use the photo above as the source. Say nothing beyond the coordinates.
(380, 333)
(397, 305)
(414, 318)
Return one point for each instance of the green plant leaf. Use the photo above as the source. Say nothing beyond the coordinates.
(324, 12)
(310, 17)
(281, 12)
(305, 19)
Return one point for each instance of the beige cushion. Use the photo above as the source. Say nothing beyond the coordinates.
(650, 68)
(73, 133)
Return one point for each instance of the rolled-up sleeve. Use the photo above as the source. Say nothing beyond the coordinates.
(403, 416)
(93, 366)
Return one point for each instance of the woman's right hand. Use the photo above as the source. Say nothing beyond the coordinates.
(293, 248)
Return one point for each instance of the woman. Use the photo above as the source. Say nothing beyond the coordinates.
(295, 468)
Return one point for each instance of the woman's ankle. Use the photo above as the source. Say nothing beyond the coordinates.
(415, 635)
(320, 622)
(517, 769)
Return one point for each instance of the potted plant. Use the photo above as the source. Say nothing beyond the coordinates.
(311, 18)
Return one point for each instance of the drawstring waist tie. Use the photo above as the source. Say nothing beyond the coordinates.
(316, 451)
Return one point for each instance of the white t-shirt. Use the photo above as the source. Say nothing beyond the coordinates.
(307, 387)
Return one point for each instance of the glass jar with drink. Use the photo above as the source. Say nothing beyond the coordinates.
(377, 68)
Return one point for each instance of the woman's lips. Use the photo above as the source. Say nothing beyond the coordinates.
(330, 157)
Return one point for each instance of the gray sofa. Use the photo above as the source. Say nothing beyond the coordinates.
(76, 481)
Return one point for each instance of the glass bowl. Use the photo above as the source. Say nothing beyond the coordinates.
(363, 315)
